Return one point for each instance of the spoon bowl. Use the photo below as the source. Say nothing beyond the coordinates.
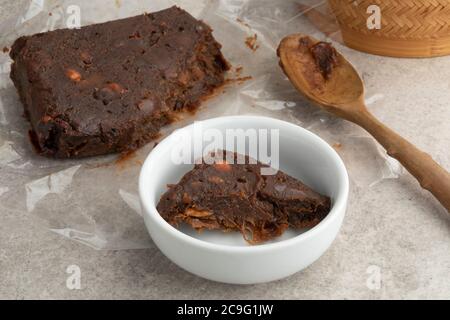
(342, 93)
(338, 92)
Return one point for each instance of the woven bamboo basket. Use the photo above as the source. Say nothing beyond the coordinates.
(409, 28)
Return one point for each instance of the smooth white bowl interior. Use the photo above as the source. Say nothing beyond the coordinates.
(302, 155)
(226, 257)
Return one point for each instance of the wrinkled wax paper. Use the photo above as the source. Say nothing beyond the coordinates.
(95, 200)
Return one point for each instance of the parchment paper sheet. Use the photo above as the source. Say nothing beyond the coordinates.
(95, 200)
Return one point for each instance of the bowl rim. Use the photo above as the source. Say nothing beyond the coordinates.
(339, 205)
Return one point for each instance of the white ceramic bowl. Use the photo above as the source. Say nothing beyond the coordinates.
(226, 257)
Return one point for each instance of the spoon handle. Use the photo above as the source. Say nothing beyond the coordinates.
(428, 172)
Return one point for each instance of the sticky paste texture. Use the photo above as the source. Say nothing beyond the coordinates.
(110, 87)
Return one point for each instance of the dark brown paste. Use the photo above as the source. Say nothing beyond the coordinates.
(110, 87)
(237, 197)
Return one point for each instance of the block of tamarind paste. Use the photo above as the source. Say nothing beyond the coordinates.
(110, 87)
(237, 197)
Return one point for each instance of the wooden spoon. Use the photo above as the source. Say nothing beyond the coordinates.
(343, 95)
